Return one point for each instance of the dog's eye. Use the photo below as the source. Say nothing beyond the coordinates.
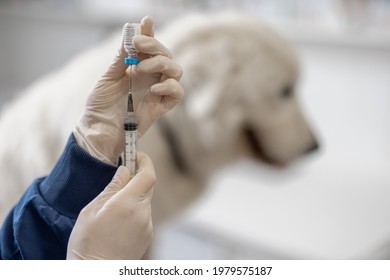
(287, 93)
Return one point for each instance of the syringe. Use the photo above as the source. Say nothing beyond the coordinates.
(130, 122)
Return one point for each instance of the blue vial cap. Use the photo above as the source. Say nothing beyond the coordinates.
(131, 60)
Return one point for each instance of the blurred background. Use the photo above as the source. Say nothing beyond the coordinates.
(334, 204)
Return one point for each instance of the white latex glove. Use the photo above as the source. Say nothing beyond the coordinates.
(156, 90)
(117, 224)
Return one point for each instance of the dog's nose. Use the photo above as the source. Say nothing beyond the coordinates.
(315, 146)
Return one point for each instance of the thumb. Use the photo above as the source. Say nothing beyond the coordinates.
(142, 183)
(120, 179)
(117, 69)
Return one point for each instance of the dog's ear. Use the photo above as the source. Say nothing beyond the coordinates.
(204, 83)
(200, 104)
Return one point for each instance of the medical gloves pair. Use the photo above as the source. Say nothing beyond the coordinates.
(117, 223)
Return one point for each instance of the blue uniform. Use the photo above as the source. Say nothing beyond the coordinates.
(39, 226)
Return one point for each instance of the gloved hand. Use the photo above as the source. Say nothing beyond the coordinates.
(156, 90)
(117, 224)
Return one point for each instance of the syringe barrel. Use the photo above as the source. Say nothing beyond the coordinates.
(130, 151)
(130, 154)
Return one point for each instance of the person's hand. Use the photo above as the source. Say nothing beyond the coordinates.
(117, 224)
(156, 90)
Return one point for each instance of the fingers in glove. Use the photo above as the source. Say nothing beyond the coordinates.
(171, 91)
(147, 26)
(142, 183)
(120, 179)
(147, 29)
(118, 182)
(150, 46)
(161, 64)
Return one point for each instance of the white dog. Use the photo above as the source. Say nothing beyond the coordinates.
(239, 78)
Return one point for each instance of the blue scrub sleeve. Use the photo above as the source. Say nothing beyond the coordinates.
(39, 226)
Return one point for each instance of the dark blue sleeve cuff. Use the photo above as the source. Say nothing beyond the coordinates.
(76, 179)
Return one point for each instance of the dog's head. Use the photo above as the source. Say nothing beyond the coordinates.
(240, 81)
